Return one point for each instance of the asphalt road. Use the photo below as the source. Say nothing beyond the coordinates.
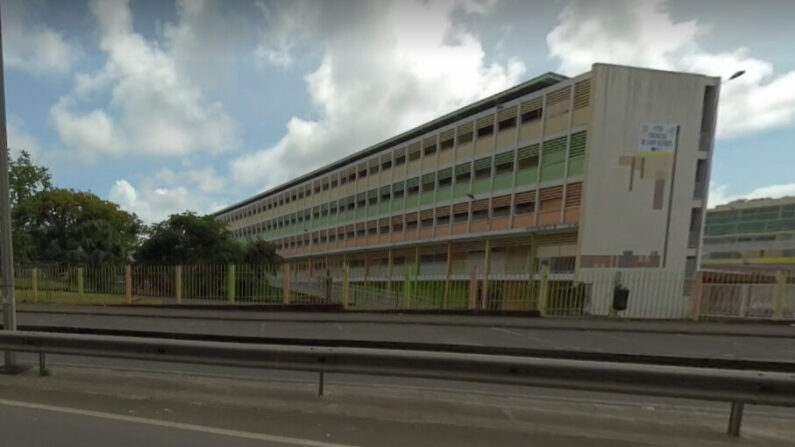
(632, 340)
(99, 407)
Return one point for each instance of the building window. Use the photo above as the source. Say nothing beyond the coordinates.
(397, 227)
(465, 137)
(343, 180)
(374, 169)
(447, 181)
(480, 215)
(430, 150)
(363, 173)
(447, 144)
(504, 167)
(400, 160)
(384, 229)
(352, 177)
(386, 165)
(411, 225)
(461, 217)
(532, 115)
(501, 211)
(414, 156)
(442, 220)
(427, 223)
(509, 123)
(486, 131)
(483, 172)
(525, 208)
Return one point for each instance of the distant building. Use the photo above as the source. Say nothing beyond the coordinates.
(751, 235)
(575, 173)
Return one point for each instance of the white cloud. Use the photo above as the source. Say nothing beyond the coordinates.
(36, 49)
(378, 76)
(719, 195)
(154, 109)
(644, 33)
(19, 140)
(167, 192)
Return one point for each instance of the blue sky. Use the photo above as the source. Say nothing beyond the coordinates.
(164, 106)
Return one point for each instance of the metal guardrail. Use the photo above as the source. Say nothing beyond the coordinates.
(735, 386)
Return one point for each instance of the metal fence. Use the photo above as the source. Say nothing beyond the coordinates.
(653, 293)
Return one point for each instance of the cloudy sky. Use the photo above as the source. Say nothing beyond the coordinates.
(167, 105)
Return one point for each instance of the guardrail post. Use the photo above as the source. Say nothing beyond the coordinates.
(473, 289)
(345, 284)
(80, 285)
(230, 289)
(286, 279)
(543, 290)
(736, 418)
(178, 284)
(696, 296)
(34, 283)
(779, 295)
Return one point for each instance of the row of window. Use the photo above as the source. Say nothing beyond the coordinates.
(373, 228)
(480, 177)
(527, 112)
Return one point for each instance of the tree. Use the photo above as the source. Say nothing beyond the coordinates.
(260, 252)
(71, 227)
(188, 238)
(25, 178)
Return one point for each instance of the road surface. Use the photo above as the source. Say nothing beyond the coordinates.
(769, 342)
(80, 406)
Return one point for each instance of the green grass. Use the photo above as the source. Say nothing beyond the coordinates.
(74, 299)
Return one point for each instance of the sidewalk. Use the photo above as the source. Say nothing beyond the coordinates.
(724, 328)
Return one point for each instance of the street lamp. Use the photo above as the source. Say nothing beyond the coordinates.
(6, 254)
(736, 75)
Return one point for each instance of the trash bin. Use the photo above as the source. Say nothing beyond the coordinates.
(620, 298)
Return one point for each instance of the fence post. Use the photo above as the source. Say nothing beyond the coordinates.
(389, 270)
(178, 283)
(80, 285)
(345, 285)
(407, 286)
(543, 290)
(697, 294)
(34, 283)
(447, 275)
(744, 295)
(128, 283)
(484, 301)
(473, 289)
(779, 295)
(286, 288)
(230, 289)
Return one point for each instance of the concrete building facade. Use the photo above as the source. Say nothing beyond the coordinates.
(606, 171)
(751, 235)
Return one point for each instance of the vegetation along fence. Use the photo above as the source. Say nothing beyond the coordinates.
(652, 293)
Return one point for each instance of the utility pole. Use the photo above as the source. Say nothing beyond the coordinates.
(6, 254)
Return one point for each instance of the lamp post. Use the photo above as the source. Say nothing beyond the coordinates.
(6, 254)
